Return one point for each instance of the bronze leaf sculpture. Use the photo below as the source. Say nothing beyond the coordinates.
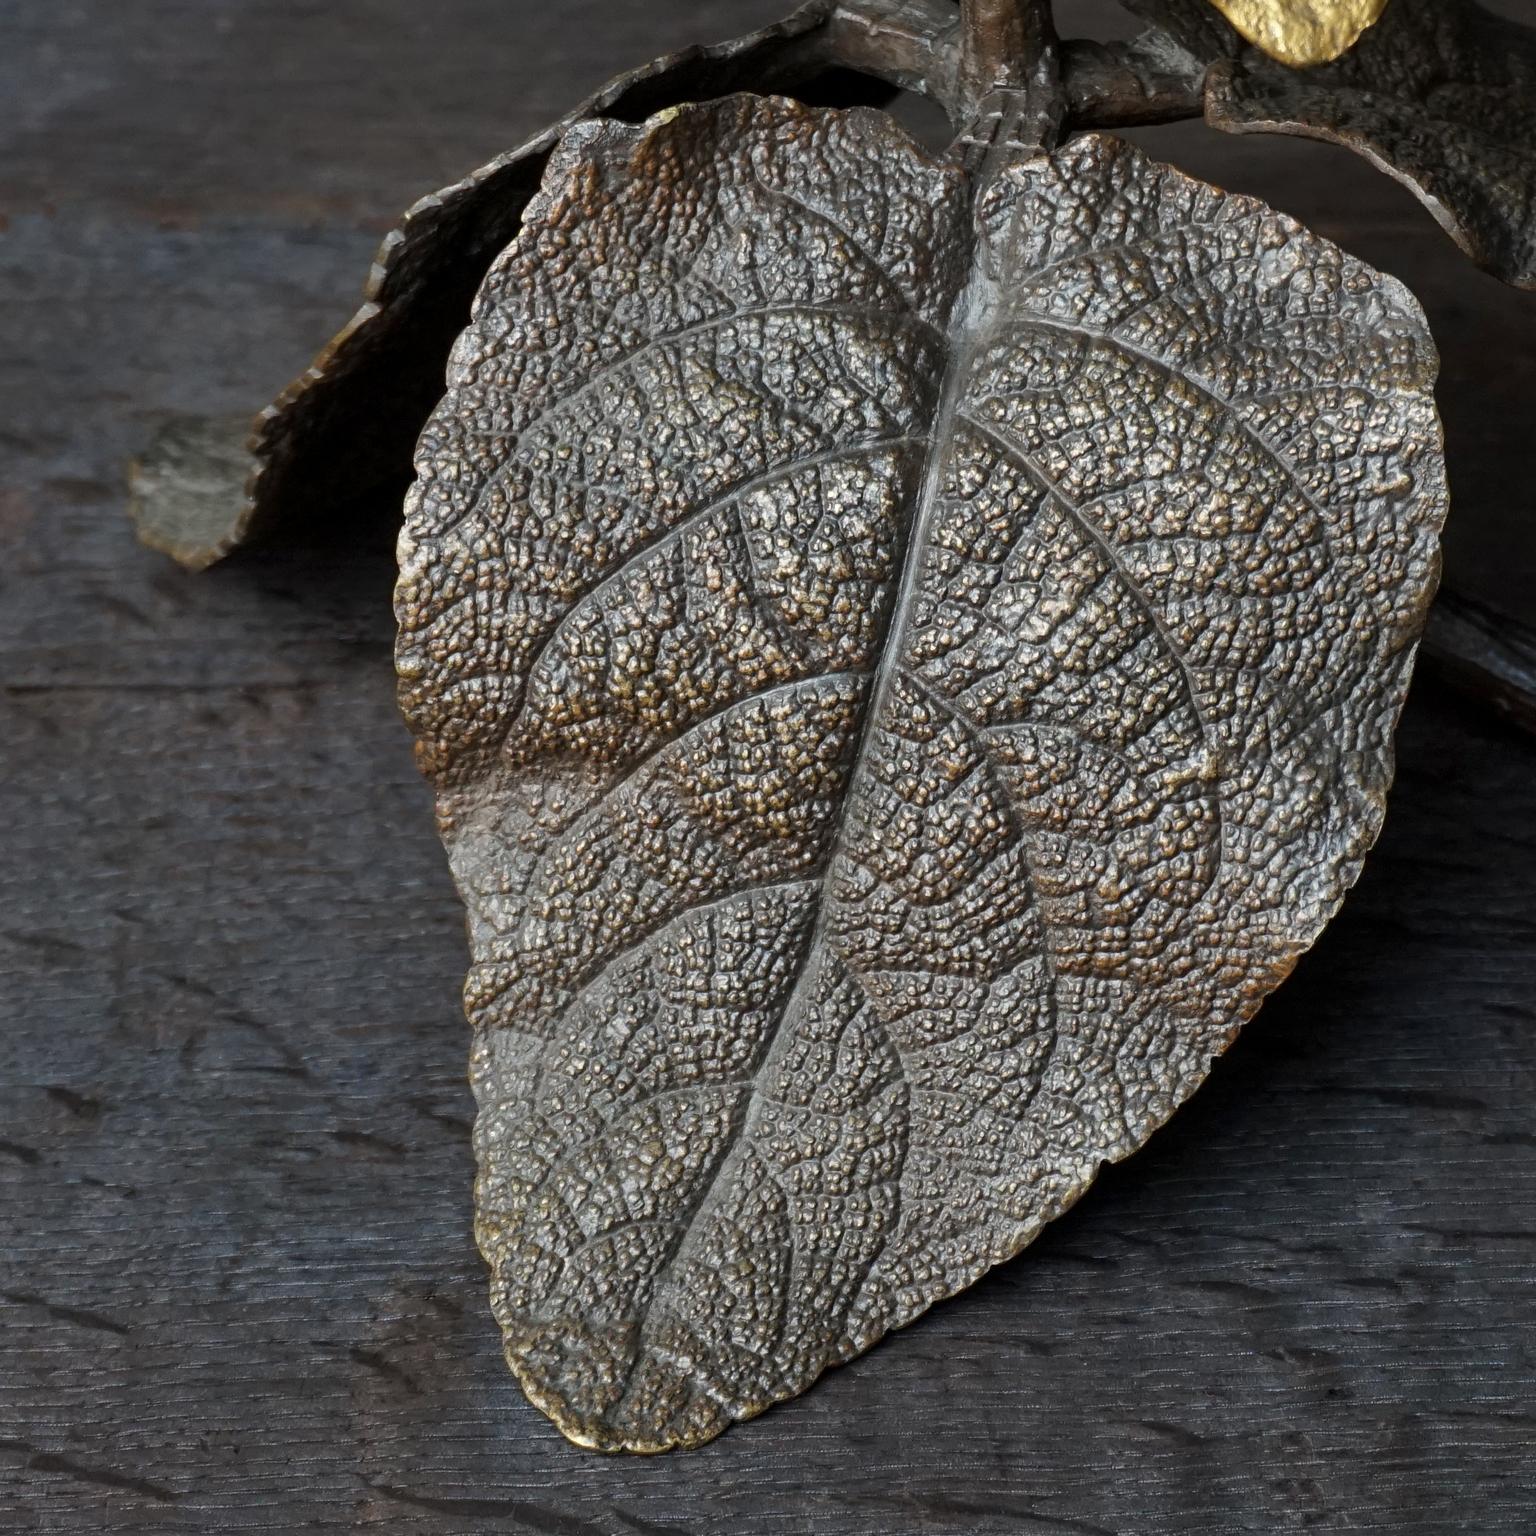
(1441, 96)
(907, 649)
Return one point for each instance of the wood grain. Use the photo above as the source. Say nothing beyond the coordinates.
(239, 1291)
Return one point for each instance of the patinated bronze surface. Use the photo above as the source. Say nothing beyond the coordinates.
(1439, 94)
(907, 650)
(341, 435)
(238, 1286)
(344, 429)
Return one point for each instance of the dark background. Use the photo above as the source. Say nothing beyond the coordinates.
(237, 1286)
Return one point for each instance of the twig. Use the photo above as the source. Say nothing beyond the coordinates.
(1484, 653)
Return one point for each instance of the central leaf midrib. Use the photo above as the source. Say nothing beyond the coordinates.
(975, 310)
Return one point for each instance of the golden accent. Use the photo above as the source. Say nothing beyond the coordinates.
(1301, 33)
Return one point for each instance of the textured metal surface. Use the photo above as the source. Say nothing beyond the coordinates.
(342, 432)
(339, 437)
(238, 1287)
(1440, 94)
(899, 698)
(1301, 32)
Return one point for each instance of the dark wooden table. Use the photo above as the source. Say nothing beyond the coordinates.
(237, 1286)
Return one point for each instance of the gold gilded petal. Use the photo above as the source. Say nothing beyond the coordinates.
(1301, 33)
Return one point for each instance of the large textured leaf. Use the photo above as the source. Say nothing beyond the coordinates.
(1439, 94)
(905, 675)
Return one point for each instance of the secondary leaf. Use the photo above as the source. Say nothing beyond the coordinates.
(343, 430)
(1439, 94)
(906, 668)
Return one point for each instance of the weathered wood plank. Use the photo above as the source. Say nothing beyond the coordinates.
(237, 1286)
